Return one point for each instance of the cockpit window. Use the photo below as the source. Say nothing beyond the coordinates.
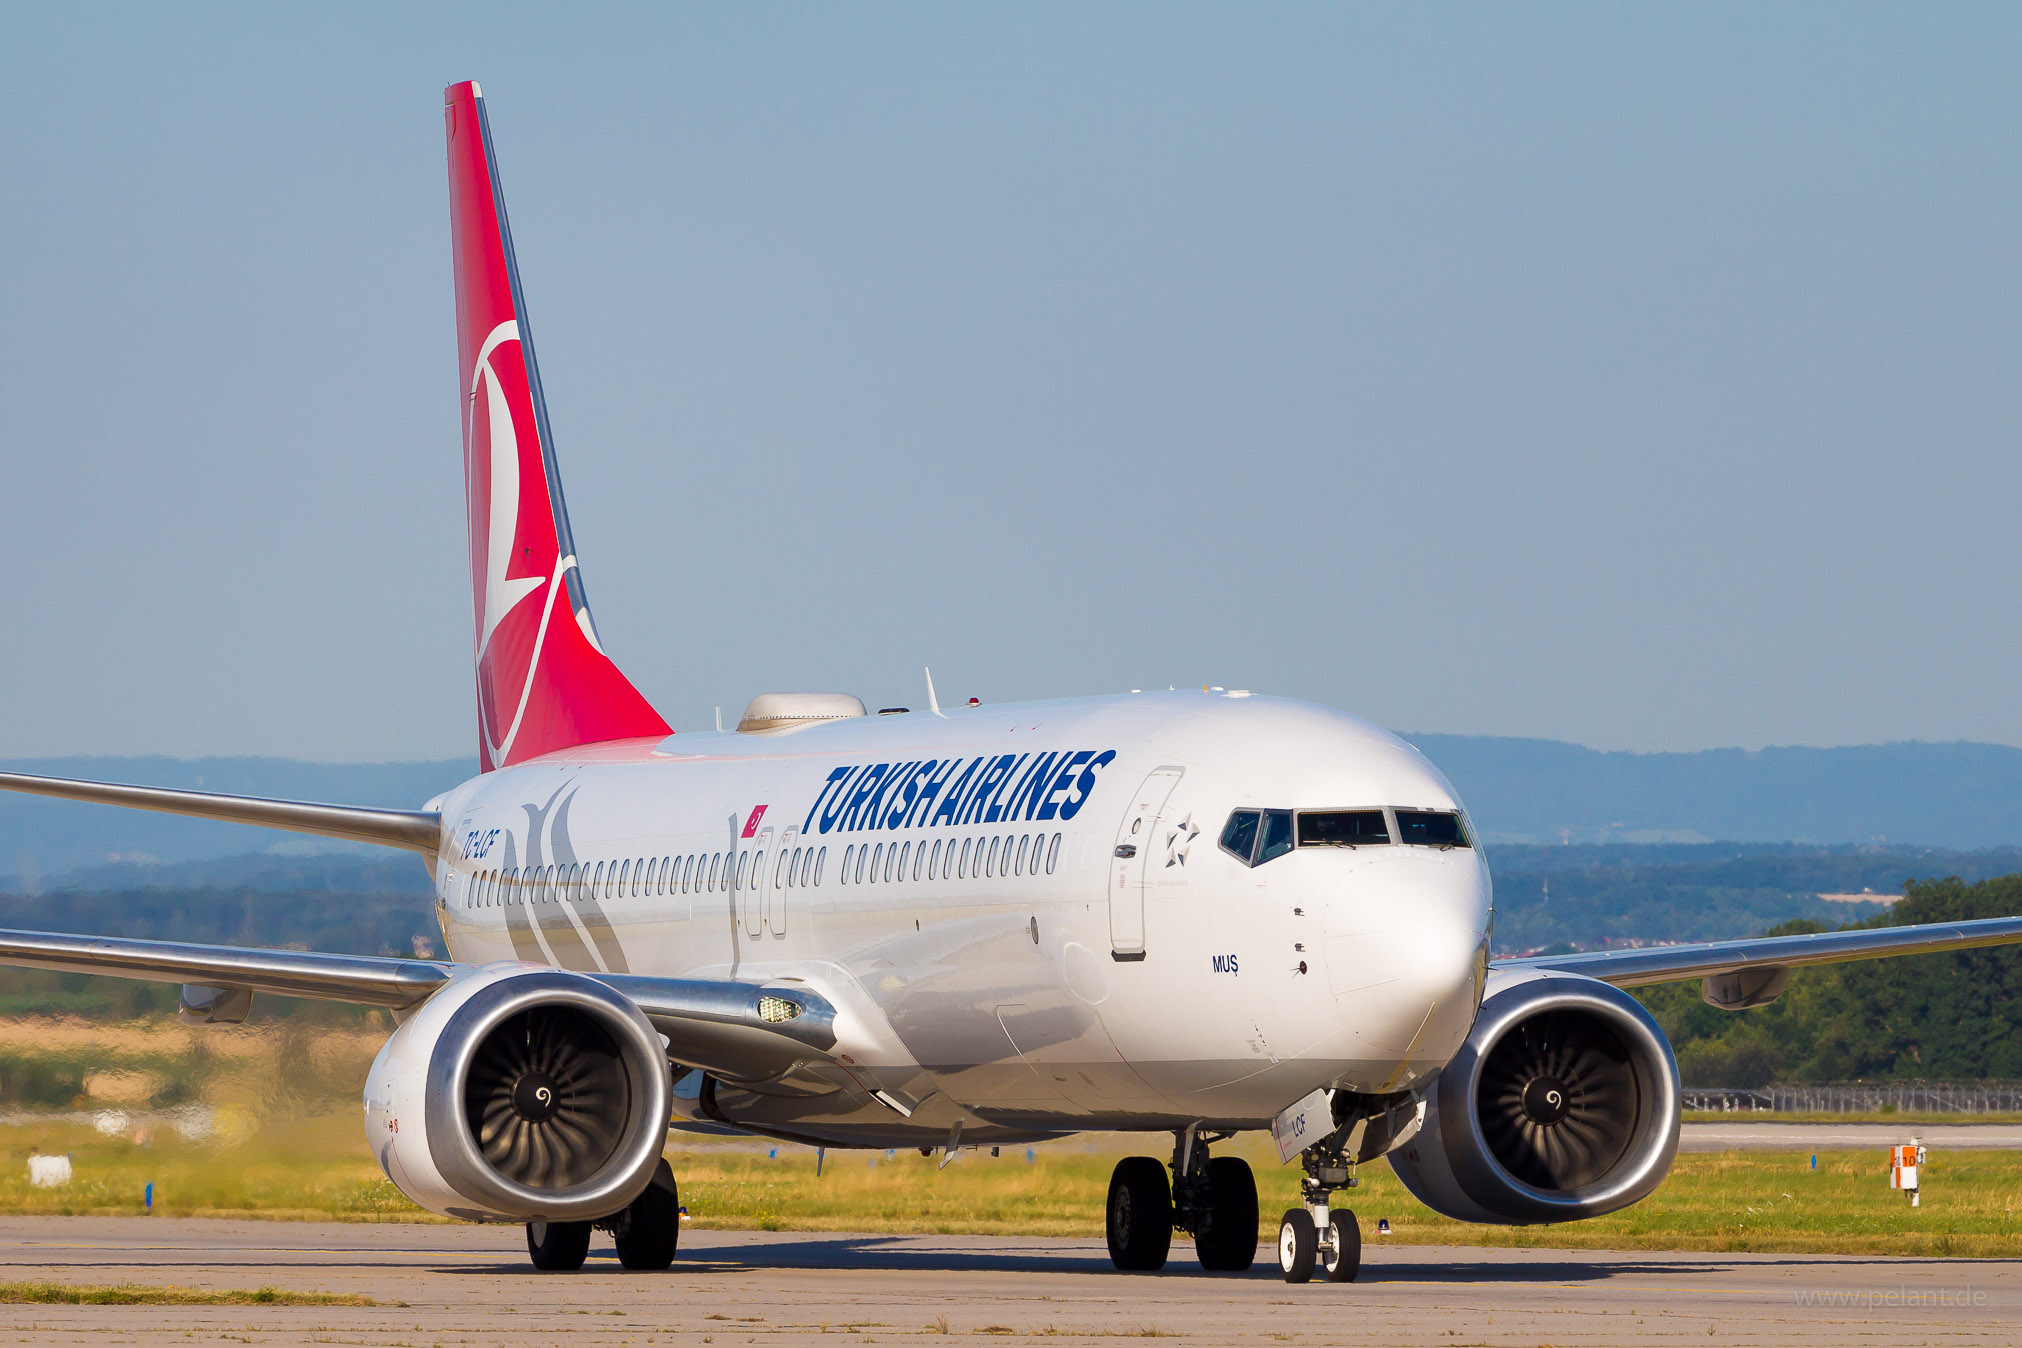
(1431, 828)
(1253, 837)
(1342, 828)
(1239, 835)
(1277, 835)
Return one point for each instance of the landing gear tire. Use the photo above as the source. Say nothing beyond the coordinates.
(558, 1247)
(648, 1232)
(1229, 1242)
(1139, 1215)
(1298, 1245)
(1344, 1261)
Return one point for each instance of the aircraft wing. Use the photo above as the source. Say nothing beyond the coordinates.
(743, 1030)
(1766, 954)
(412, 830)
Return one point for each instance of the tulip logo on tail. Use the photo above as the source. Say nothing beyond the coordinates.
(503, 593)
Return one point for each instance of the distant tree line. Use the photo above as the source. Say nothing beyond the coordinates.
(1587, 896)
(1940, 1017)
(354, 915)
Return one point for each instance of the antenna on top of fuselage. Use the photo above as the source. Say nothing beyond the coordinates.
(933, 703)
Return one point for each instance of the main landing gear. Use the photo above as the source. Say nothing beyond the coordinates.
(1315, 1235)
(1212, 1199)
(646, 1233)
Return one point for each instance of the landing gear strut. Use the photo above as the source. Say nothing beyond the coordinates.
(1212, 1199)
(1316, 1234)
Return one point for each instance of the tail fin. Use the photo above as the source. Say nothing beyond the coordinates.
(543, 680)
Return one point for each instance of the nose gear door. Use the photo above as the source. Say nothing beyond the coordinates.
(1129, 864)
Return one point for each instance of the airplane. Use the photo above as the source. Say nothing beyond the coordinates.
(1186, 912)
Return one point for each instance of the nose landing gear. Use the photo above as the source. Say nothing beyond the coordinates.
(1316, 1235)
(1213, 1199)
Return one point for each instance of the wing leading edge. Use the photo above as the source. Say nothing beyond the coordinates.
(1673, 963)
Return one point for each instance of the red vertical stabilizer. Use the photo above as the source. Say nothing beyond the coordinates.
(543, 680)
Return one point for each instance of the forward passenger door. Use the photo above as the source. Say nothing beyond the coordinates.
(1130, 859)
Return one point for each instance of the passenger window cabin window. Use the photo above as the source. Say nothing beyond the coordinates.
(819, 858)
(891, 863)
(934, 862)
(715, 865)
(1431, 828)
(990, 867)
(1052, 853)
(1024, 845)
(624, 874)
(962, 866)
(877, 860)
(857, 872)
(746, 871)
(1342, 828)
(905, 859)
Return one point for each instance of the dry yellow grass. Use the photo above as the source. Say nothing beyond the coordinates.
(142, 1294)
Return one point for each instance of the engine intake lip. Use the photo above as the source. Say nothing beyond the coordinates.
(623, 1174)
(1645, 1158)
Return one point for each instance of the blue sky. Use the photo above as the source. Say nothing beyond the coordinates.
(1634, 375)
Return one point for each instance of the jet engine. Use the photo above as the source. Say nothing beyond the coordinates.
(517, 1093)
(1561, 1104)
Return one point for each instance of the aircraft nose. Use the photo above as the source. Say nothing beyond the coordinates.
(1405, 952)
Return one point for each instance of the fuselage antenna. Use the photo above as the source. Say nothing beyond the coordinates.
(933, 703)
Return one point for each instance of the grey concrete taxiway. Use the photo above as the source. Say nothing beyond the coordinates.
(465, 1285)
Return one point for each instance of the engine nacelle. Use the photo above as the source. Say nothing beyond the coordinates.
(1561, 1104)
(518, 1093)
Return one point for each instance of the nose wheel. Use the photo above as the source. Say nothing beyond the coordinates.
(1302, 1250)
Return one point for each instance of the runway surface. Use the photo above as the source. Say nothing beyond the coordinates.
(458, 1285)
(1847, 1136)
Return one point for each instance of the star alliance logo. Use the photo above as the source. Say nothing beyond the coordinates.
(1179, 840)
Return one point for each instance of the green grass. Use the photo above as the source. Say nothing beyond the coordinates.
(287, 1144)
(1727, 1201)
(1905, 1117)
(141, 1294)
(318, 1168)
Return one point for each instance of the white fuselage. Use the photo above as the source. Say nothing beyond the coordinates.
(1025, 919)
